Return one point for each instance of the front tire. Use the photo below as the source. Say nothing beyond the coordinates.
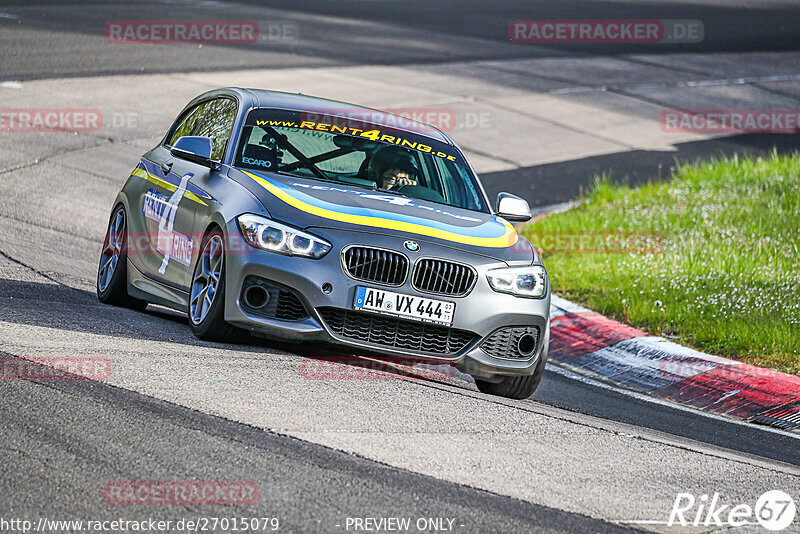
(515, 387)
(112, 273)
(207, 299)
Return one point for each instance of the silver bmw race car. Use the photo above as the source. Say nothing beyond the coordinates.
(306, 219)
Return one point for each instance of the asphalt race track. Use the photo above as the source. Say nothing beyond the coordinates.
(577, 457)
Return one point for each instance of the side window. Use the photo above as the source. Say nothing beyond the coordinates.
(189, 123)
(217, 123)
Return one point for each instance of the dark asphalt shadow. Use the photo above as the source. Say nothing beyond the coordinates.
(66, 308)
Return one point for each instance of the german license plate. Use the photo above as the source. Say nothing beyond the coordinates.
(406, 306)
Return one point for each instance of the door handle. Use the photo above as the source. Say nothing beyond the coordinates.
(166, 167)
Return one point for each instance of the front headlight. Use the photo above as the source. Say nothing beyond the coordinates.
(530, 281)
(269, 235)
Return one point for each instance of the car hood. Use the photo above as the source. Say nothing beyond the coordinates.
(310, 203)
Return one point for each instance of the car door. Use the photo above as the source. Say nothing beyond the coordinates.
(209, 185)
(170, 202)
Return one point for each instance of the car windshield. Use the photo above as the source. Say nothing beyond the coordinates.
(357, 153)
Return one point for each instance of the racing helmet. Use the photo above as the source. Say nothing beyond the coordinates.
(391, 157)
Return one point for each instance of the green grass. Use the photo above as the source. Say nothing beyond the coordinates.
(725, 276)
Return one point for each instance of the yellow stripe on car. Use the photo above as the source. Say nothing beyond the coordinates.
(141, 173)
(509, 238)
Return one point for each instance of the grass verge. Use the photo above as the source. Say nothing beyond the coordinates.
(710, 258)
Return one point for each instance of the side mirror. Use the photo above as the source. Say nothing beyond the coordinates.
(512, 208)
(196, 149)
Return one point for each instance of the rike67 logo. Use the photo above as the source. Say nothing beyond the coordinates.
(775, 510)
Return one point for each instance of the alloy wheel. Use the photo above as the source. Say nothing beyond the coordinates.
(207, 276)
(112, 249)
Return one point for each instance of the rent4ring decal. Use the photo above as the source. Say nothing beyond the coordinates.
(373, 134)
(162, 209)
(154, 205)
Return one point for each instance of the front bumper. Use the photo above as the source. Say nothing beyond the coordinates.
(482, 311)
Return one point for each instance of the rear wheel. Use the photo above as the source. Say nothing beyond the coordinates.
(112, 273)
(207, 299)
(514, 387)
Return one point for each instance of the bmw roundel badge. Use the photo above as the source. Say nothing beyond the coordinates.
(413, 246)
